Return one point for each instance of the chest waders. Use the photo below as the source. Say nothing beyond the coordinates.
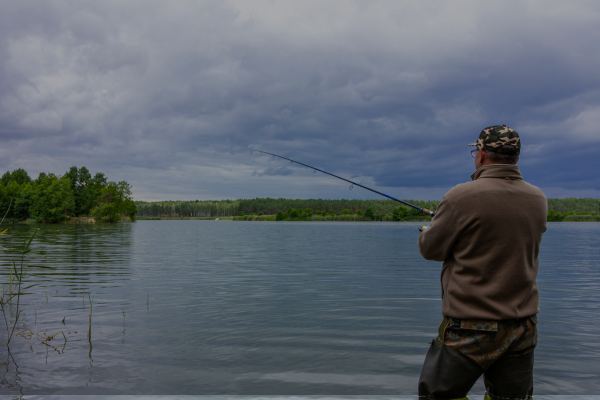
(449, 375)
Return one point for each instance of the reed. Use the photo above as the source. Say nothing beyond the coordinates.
(90, 298)
(52, 337)
(11, 293)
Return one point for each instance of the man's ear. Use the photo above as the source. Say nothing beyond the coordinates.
(482, 156)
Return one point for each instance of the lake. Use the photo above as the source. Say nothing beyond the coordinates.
(228, 308)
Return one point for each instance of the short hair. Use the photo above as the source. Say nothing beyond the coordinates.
(498, 158)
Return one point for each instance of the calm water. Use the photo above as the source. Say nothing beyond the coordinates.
(265, 308)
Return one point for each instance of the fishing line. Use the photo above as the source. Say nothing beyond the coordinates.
(352, 184)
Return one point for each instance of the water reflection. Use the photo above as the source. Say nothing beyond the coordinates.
(72, 258)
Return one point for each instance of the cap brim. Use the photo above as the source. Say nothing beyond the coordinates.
(473, 144)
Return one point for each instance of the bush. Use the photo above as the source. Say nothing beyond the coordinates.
(398, 213)
(369, 213)
(554, 216)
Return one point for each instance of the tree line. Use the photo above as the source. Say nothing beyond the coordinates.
(273, 206)
(559, 209)
(571, 209)
(54, 198)
(270, 206)
(193, 208)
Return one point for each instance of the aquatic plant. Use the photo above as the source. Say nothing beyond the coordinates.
(11, 293)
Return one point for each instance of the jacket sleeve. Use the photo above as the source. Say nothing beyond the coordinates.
(436, 242)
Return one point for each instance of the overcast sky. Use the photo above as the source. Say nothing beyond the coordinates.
(172, 96)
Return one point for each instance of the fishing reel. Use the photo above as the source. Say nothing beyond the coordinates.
(422, 228)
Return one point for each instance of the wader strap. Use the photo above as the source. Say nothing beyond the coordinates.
(442, 328)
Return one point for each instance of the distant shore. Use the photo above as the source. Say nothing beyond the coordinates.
(266, 209)
(336, 218)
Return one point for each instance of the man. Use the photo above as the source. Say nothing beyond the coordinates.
(488, 234)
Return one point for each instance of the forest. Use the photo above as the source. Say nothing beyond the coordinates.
(568, 209)
(54, 198)
(266, 206)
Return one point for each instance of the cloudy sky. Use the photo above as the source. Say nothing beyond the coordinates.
(172, 96)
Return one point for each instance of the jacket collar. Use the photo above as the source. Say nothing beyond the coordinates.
(497, 171)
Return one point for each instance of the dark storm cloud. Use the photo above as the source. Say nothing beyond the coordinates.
(172, 97)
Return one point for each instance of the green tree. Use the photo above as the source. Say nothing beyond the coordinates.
(398, 213)
(413, 212)
(115, 201)
(10, 187)
(554, 216)
(84, 193)
(369, 213)
(130, 209)
(51, 198)
(19, 175)
(10, 192)
(293, 213)
(97, 184)
(23, 202)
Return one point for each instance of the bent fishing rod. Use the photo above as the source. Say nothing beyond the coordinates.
(424, 210)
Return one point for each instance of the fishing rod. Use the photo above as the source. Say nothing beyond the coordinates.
(424, 210)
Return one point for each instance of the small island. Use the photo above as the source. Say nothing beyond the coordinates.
(75, 197)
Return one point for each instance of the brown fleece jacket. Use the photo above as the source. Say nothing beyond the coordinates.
(488, 234)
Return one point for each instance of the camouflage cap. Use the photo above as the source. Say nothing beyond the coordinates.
(499, 139)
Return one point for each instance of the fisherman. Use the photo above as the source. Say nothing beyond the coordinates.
(488, 234)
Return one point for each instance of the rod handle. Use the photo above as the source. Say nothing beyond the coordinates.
(426, 211)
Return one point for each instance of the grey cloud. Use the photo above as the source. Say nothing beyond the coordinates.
(176, 95)
(271, 171)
